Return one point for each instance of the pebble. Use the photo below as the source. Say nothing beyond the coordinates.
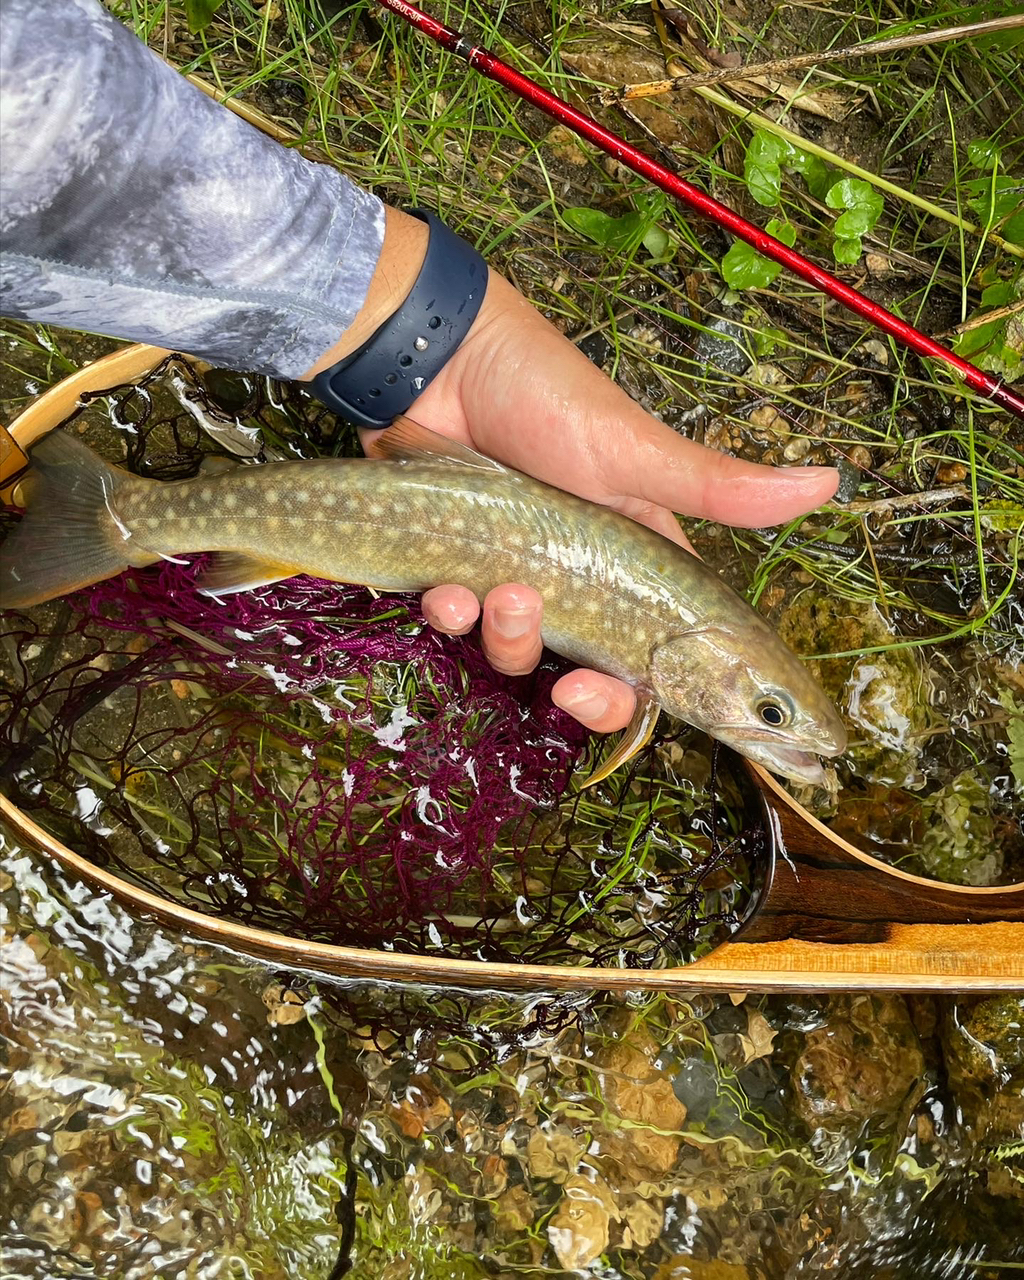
(799, 447)
(723, 345)
(768, 375)
(860, 457)
(952, 473)
(877, 351)
(767, 419)
(849, 481)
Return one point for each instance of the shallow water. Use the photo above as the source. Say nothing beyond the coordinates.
(174, 1110)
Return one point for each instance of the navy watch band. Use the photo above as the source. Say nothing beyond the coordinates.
(382, 379)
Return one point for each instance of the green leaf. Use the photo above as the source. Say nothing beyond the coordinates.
(846, 250)
(744, 268)
(784, 231)
(995, 198)
(199, 14)
(1013, 228)
(1015, 736)
(765, 340)
(657, 243)
(855, 193)
(863, 207)
(762, 167)
(995, 347)
(981, 336)
(591, 223)
(983, 153)
(998, 294)
(854, 223)
(610, 233)
(619, 234)
(816, 173)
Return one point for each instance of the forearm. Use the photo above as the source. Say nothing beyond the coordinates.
(135, 206)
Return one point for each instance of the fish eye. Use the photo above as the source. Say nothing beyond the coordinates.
(772, 712)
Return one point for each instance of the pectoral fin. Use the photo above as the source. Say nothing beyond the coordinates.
(408, 441)
(231, 571)
(635, 737)
(216, 464)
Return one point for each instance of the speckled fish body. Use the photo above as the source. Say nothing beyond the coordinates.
(613, 590)
(617, 596)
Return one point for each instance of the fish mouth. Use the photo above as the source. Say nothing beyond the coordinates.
(799, 766)
(791, 762)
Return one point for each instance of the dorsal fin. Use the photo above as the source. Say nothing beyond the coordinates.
(407, 441)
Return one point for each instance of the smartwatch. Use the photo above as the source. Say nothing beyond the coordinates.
(373, 385)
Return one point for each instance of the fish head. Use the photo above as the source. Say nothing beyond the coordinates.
(744, 687)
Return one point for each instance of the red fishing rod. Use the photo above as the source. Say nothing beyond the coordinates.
(494, 68)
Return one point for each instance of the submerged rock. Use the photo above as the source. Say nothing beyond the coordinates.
(880, 695)
(983, 1045)
(862, 1064)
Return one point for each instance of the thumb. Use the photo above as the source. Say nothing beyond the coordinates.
(670, 471)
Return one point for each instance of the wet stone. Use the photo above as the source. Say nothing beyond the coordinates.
(724, 345)
(862, 1065)
(983, 1046)
(849, 480)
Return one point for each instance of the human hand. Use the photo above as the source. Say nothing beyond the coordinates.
(520, 392)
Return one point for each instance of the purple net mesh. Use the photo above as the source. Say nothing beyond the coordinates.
(314, 759)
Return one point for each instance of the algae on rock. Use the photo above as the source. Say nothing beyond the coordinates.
(958, 843)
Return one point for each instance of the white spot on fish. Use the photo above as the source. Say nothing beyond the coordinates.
(271, 495)
(231, 501)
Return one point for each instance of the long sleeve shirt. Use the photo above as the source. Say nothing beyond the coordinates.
(133, 205)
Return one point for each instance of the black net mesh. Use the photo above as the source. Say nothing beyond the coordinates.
(311, 758)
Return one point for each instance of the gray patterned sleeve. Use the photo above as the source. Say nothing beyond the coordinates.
(132, 205)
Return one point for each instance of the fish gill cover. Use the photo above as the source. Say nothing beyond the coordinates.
(312, 758)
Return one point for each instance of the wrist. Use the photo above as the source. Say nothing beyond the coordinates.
(374, 381)
(401, 257)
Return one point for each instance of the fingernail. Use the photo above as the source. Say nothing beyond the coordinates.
(511, 624)
(584, 704)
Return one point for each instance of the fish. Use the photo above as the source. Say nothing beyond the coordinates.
(422, 510)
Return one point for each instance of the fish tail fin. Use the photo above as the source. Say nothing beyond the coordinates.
(71, 535)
